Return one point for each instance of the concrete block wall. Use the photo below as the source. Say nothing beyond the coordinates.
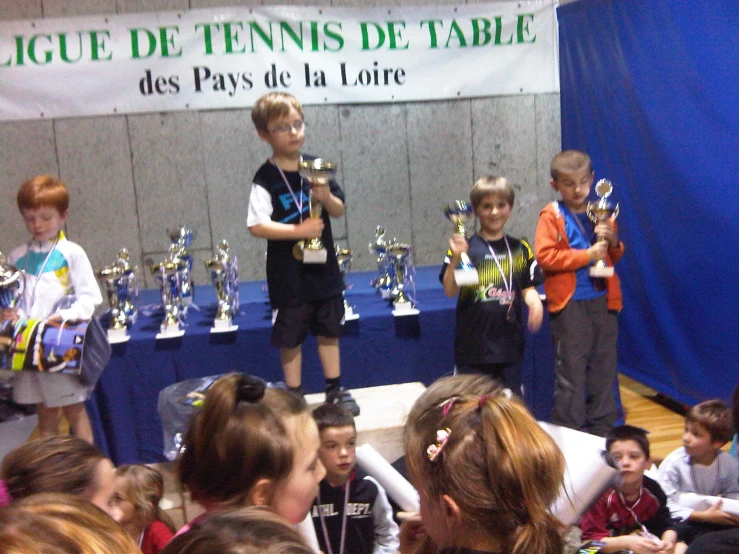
(131, 177)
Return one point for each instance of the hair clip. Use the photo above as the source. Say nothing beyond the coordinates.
(446, 406)
(442, 436)
(484, 398)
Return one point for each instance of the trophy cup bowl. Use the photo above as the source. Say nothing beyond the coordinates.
(344, 258)
(222, 268)
(164, 272)
(318, 172)
(601, 212)
(460, 212)
(398, 253)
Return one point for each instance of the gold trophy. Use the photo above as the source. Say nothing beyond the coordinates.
(120, 280)
(318, 172)
(398, 253)
(167, 273)
(602, 212)
(460, 212)
(224, 274)
(344, 257)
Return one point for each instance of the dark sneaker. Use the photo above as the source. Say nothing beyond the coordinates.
(344, 398)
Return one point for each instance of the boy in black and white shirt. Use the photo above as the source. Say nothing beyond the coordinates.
(351, 513)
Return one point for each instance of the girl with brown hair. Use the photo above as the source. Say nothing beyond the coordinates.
(139, 490)
(251, 446)
(52, 523)
(63, 465)
(485, 471)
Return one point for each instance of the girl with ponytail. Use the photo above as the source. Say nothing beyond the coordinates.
(251, 446)
(485, 471)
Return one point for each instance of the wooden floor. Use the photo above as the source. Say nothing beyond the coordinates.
(643, 408)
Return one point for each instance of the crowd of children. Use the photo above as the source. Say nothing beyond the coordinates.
(259, 462)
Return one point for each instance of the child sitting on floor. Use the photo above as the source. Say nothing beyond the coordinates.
(634, 515)
(140, 488)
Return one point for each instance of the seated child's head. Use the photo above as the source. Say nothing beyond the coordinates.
(492, 199)
(278, 117)
(139, 490)
(338, 442)
(485, 471)
(249, 447)
(44, 204)
(572, 176)
(55, 523)
(61, 465)
(628, 447)
(707, 428)
(253, 530)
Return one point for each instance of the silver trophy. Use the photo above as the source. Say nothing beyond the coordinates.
(167, 275)
(318, 172)
(121, 285)
(224, 273)
(460, 212)
(11, 285)
(344, 257)
(181, 240)
(602, 212)
(400, 255)
(383, 283)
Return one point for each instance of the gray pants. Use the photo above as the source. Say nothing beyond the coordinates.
(585, 335)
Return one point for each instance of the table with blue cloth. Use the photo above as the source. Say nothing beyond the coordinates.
(378, 349)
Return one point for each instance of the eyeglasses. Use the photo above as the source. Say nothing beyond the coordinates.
(283, 129)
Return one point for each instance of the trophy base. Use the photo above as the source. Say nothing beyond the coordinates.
(314, 256)
(401, 309)
(350, 314)
(466, 277)
(223, 326)
(117, 336)
(170, 332)
(596, 271)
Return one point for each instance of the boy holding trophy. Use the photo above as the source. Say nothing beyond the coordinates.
(583, 307)
(52, 268)
(489, 336)
(289, 209)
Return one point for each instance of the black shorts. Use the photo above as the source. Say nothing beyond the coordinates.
(323, 318)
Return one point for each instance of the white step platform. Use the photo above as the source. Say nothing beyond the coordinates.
(383, 414)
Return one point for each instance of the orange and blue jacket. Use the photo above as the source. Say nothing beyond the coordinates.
(559, 262)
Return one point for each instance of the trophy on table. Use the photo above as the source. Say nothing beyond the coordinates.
(602, 212)
(182, 238)
(460, 212)
(399, 255)
(121, 284)
(11, 283)
(344, 257)
(167, 274)
(224, 273)
(383, 283)
(318, 172)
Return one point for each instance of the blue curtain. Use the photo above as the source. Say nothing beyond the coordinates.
(649, 88)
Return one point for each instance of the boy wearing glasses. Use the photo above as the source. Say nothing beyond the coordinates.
(304, 297)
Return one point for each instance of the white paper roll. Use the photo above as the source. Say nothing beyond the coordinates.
(306, 529)
(702, 502)
(586, 476)
(396, 486)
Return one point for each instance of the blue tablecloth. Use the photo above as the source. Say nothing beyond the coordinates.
(378, 349)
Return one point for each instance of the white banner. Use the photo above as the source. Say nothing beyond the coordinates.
(229, 57)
